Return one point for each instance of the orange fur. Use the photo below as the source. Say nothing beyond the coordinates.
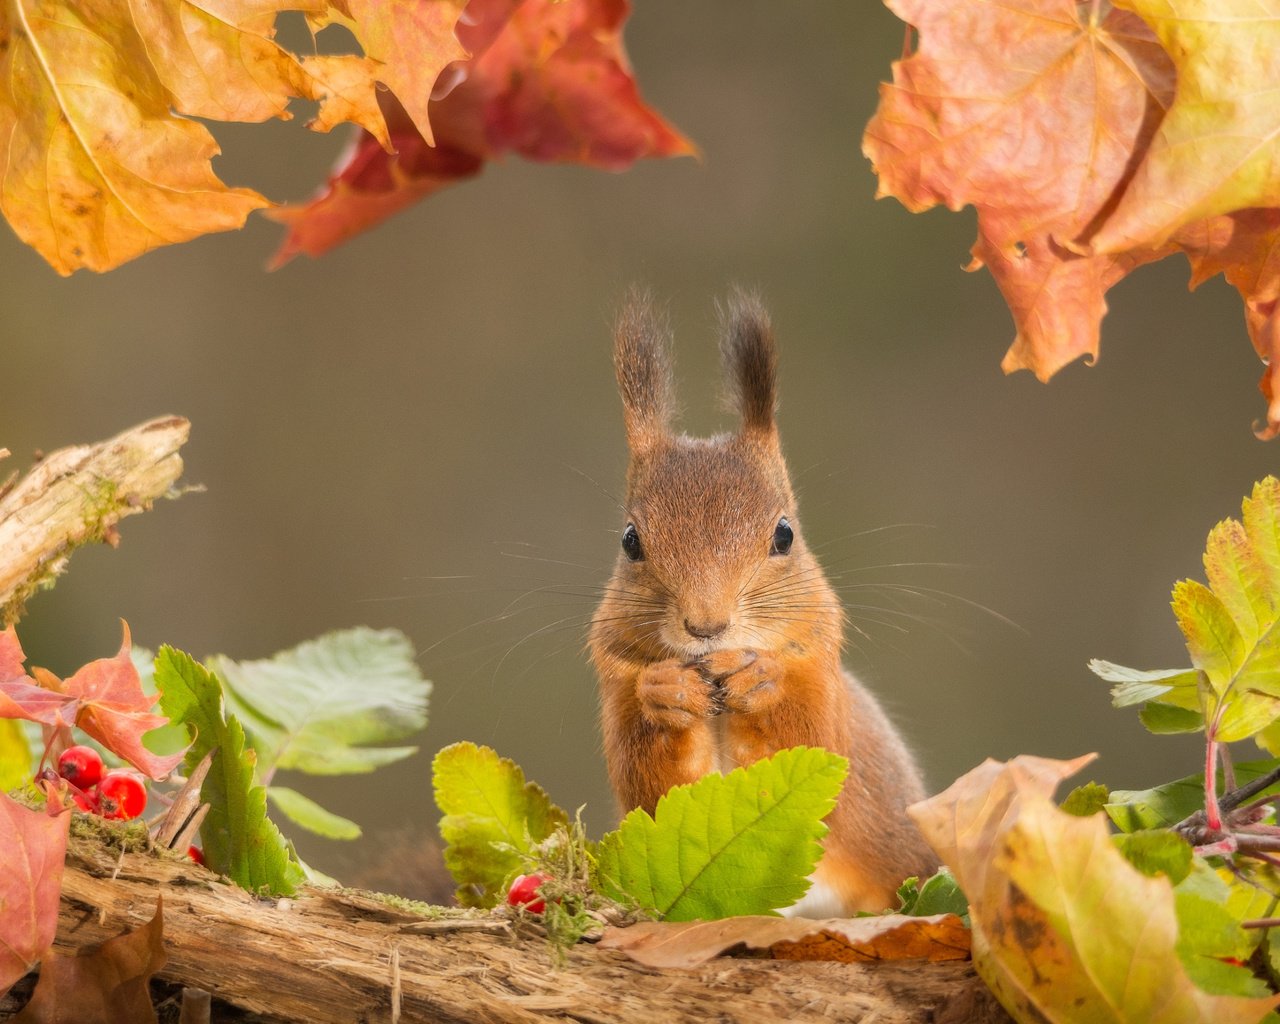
(712, 648)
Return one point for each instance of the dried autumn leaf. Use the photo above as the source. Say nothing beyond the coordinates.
(1057, 298)
(115, 712)
(1030, 111)
(107, 985)
(665, 944)
(547, 80)
(1059, 122)
(1218, 148)
(33, 847)
(1064, 928)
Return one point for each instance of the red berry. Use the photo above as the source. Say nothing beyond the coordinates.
(80, 766)
(196, 854)
(524, 892)
(122, 795)
(86, 800)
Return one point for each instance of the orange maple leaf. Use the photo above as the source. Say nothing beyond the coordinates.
(547, 80)
(976, 116)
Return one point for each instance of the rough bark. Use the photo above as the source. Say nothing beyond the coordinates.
(334, 959)
(77, 495)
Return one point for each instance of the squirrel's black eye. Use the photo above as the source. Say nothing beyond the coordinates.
(631, 543)
(783, 535)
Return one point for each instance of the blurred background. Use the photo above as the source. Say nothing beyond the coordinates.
(420, 430)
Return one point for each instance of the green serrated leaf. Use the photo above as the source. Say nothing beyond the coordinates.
(1238, 637)
(1165, 806)
(940, 894)
(1086, 800)
(304, 811)
(239, 840)
(318, 707)
(1232, 630)
(16, 763)
(1214, 641)
(742, 843)
(493, 818)
(1156, 852)
(1209, 934)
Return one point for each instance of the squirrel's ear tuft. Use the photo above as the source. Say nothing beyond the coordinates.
(642, 360)
(750, 361)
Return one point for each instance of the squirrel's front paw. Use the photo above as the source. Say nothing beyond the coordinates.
(674, 694)
(745, 680)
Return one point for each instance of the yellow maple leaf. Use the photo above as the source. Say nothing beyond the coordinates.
(97, 169)
(99, 163)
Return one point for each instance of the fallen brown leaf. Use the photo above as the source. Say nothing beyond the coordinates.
(848, 940)
(108, 985)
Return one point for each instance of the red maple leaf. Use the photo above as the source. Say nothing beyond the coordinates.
(20, 696)
(113, 710)
(547, 80)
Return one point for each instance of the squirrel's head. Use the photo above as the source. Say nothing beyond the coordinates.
(712, 554)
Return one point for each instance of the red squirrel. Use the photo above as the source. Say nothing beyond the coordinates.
(718, 640)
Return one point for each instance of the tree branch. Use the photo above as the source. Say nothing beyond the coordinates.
(329, 958)
(77, 495)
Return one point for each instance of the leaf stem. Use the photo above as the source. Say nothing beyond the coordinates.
(1212, 812)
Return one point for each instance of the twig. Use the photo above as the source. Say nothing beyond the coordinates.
(1233, 799)
(182, 820)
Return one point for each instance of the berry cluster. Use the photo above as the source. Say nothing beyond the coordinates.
(115, 794)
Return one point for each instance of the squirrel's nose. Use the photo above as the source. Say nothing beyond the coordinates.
(705, 630)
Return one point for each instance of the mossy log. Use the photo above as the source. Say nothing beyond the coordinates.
(330, 957)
